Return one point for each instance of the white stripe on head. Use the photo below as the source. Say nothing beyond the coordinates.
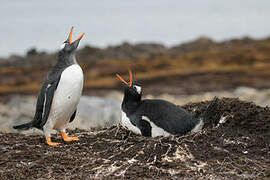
(62, 46)
(138, 89)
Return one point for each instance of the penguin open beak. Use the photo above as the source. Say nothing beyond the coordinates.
(130, 77)
(70, 36)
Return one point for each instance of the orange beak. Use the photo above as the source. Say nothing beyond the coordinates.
(130, 77)
(70, 36)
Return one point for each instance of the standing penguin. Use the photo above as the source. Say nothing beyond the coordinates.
(155, 117)
(59, 95)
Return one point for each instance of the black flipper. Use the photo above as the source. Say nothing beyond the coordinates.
(42, 113)
(39, 107)
(73, 116)
(145, 128)
(48, 102)
(38, 114)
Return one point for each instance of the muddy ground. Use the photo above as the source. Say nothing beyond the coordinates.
(239, 148)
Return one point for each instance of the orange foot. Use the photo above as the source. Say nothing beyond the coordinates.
(50, 143)
(68, 139)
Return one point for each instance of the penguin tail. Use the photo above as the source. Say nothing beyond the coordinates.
(211, 110)
(25, 126)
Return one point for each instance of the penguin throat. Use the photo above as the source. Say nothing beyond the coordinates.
(130, 102)
(129, 107)
(67, 58)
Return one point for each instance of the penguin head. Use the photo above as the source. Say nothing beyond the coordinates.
(132, 89)
(70, 46)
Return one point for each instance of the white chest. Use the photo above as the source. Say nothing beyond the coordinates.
(70, 84)
(68, 93)
(125, 122)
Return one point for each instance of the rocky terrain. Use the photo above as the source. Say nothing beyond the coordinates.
(190, 68)
(236, 148)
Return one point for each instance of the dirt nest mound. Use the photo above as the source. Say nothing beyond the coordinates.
(239, 147)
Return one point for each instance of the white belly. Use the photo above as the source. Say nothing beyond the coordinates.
(128, 125)
(66, 96)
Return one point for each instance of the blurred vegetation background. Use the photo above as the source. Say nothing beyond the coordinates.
(190, 68)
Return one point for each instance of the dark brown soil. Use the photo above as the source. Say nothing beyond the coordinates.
(236, 149)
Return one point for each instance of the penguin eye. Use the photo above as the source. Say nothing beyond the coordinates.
(62, 46)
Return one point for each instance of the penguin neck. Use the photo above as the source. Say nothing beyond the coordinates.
(66, 59)
(130, 103)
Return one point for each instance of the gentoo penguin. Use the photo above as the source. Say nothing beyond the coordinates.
(155, 117)
(59, 95)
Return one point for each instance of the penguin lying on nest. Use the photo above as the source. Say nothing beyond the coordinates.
(155, 117)
(59, 95)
